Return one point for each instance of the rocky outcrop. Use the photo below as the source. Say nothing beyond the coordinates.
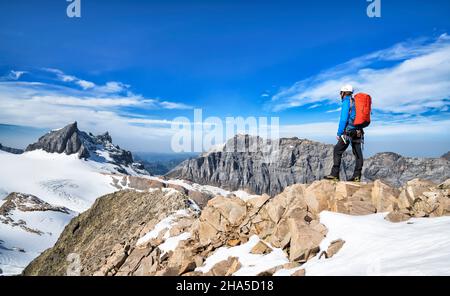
(70, 140)
(10, 150)
(275, 165)
(446, 156)
(397, 170)
(67, 140)
(132, 233)
(20, 202)
(105, 236)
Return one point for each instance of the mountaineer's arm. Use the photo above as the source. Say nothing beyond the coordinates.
(344, 117)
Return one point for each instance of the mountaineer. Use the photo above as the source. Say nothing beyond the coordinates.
(355, 116)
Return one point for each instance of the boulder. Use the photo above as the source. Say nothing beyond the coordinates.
(318, 195)
(333, 248)
(304, 242)
(385, 198)
(398, 216)
(225, 267)
(261, 248)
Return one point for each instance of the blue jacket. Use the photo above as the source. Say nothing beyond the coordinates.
(347, 117)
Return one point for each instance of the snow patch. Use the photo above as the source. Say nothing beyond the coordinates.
(252, 264)
(374, 246)
(165, 224)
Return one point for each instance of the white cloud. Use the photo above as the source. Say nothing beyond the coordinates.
(13, 75)
(173, 105)
(334, 110)
(418, 82)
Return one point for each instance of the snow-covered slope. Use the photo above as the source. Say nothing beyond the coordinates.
(28, 226)
(58, 179)
(374, 246)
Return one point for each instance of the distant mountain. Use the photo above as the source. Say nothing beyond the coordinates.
(11, 150)
(274, 167)
(70, 140)
(161, 163)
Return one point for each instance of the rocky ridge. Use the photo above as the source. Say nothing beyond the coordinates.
(276, 164)
(26, 203)
(70, 140)
(144, 233)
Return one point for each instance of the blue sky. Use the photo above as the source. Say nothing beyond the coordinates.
(131, 67)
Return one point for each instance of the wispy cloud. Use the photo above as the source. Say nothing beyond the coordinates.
(416, 80)
(97, 107)
(12, 75)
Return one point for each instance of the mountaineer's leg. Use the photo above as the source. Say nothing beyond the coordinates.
(339, 149)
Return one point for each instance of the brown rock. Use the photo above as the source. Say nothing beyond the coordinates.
(318, 195)
(270, 271)
(300, 272)
(275, 210)
(261, 248)
(397, 216)
(225, 267)
(281, 235)
(385, 198)
(304, 243)
(333, 248)
(146, 267)
(256, 203)
(233, 242)
(359, 208)
(200, 198)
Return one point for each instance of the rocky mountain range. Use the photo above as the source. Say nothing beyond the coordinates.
(70, 140)
(273, 166)
(158, 232)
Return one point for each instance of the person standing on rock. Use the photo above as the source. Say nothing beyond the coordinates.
(348, 133)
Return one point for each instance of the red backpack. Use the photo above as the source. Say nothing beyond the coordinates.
(363, 106)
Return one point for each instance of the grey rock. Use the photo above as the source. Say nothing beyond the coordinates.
(66, 140)
(11, 150)
(270, 169)
(446, 156)
(397, 170)
(70, 140)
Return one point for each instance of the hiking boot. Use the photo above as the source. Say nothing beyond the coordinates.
(355, 179)
(331, 177)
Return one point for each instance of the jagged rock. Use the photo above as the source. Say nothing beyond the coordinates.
(114, 219)
(397, 216)
(304, 242)
(26, 203)
(70, 140)
(318, 195)
(385, 198)
(225, 267)
(333, 248)
(289, 221)
(277, 164)
(261, 248)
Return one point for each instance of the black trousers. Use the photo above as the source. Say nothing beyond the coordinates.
(340, 148)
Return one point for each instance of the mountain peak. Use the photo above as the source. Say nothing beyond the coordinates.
(70, 140)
